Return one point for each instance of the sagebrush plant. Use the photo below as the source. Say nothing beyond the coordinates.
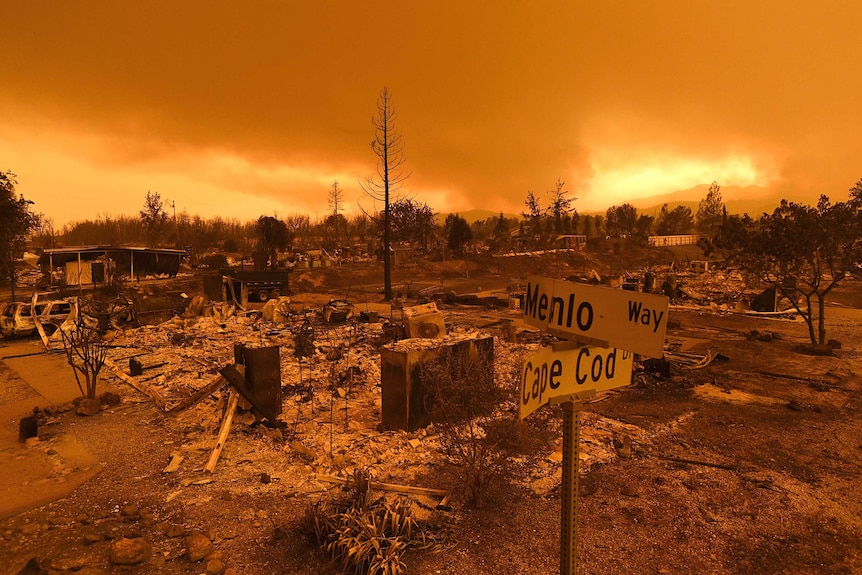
(367, 536)
(477, 420)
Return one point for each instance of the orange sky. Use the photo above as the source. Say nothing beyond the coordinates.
(249, 109)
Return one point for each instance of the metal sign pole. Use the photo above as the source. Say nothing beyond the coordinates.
(569, 488)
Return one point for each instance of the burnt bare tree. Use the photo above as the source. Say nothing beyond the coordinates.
(299, 228)
(85, 351)
(335, 224)
(388, 146)
(336, 197)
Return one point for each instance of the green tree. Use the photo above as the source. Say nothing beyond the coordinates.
(154, 217)
(412, 222)
(710, 211)
(601, 225)
(501, 234)
(533, 215)
(561, 209)
(643, 227)
(272, 236)
(803, 251)
(589, 225)
(334, 230)
(621, 220)
(16, 221)
(360, 227)
(676, 221)
(388, 147)
(458, 233)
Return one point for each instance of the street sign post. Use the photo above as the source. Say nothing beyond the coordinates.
(569, 488)
(604, 316)
(566, 372)
(549, 373)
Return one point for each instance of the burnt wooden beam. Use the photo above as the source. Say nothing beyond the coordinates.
(237, 380)
(209, 388)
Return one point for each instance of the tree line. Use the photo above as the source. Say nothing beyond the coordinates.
(803, 251)
(541, 224)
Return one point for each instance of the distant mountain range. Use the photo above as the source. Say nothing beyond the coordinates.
(751, 200)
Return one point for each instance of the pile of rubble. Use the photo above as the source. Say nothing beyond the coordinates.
(330, 418)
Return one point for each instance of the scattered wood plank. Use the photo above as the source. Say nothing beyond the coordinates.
(392, 487)
(697, 462)
(214, 385)
(139, 385)
(223, 432)
(176, 459)
(783, 375)
(445, 501)
(32, 353)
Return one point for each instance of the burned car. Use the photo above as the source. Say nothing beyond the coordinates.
(18, 318)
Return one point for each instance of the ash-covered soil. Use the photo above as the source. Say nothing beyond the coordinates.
(750, 464)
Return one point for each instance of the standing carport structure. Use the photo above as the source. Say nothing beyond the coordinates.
(94, 264)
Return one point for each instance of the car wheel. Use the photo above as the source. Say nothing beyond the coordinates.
(263, 295)
(275, 294)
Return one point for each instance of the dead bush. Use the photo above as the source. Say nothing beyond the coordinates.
(478, 424)
(85, 351)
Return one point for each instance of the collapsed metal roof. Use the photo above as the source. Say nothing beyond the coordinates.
(136, 261)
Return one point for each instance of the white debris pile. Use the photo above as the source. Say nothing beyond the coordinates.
(718, 287)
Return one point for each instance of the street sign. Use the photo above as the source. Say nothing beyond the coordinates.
(547, 374)
(624, 319)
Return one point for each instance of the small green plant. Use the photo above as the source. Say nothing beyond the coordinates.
(369, 537)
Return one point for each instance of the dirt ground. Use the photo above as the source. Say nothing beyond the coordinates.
(750, 464)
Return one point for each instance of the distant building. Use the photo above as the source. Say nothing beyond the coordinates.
(571, 242)
(677, 240)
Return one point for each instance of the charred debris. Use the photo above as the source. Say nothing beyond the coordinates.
(311, 390)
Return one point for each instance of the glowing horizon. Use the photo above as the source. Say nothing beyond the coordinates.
(620, 102)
